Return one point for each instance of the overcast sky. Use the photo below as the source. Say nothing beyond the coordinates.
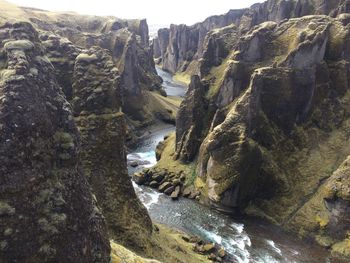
(162, 12)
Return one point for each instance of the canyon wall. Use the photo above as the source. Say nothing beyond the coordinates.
(47, 209)
(65, 191)
(97, 107)
(266, 121)
(66, 34)
(182, 47)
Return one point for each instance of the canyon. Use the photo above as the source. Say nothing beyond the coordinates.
(198, 145)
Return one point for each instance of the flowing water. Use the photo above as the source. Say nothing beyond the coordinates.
(248, 240)
(171, 87)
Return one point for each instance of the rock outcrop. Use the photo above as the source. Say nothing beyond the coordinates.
(181, 44)
(46, 208)
(64, 34)
(61, 53)
(186, 43)
(190, 121)
(97, 107)
(276, 126)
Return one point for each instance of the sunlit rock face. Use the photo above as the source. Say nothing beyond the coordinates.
(47, 210)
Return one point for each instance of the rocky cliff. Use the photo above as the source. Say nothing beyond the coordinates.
(274, 139)
(65, 193)
(65, 34)
(185, 44)
(97, 107)
(46, 207)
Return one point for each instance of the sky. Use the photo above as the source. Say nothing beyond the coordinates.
(157, 12)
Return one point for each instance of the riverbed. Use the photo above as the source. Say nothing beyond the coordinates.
(248, 240)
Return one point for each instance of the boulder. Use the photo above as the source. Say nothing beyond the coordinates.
(175, 195)
(154, 184)
(187, 191)
(169, 190)
(134, 164)
(158, 177)
(139, 178)
(164, 186)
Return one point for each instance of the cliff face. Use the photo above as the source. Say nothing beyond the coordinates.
(65, 34)
(186, 43)
(100, 65)
(274, 139)
(181, 43)
(97, 105)
(47, 210)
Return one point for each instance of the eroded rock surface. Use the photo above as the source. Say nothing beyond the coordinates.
(47, 210)
(65, 34)
(97, 106)
(186, 44)
(276, 126)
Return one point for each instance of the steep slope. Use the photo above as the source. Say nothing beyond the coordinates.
(97, 107)
(182, 46)
(267, 124)
(47, 210)
(65, 34)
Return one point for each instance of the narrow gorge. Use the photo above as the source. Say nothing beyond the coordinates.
(223, 141)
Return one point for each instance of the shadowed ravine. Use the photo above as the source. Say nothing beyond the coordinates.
(246, 241)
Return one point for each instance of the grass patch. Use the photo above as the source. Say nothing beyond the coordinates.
(182, 78)
(167, 161)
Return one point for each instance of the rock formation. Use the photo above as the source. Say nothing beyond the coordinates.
(274, 139)
(190, 120)
(46, 208)
(97, 107)
(186, 43)
(64, 34)
(52, 174)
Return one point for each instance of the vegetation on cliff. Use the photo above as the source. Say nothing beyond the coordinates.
(266, 122)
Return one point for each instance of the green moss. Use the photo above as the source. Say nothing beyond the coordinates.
(191, 177)
(63, 137)
(8, 232)
(64, 156)
(47, 250)
(7, 73)
(342, 248)
(67, 146)
(58, 219)
(6, 209)
(324, 241)
(168, 162)
(43, 196)
(86, 58)
(3, 245)
(216, 77)
(182, 78)
(19, 44)
(47, 226)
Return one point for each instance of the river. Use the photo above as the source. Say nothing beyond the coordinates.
(248, 240)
